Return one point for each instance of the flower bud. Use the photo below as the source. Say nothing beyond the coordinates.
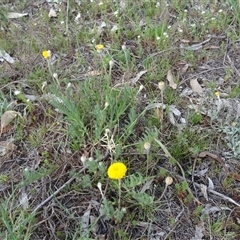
(168, 181)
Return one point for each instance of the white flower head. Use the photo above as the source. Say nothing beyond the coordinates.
(83, 159)
(69, 85)
(17, 92)
(111, 63)
(147, 145)
(106, 105)
(124, 47)
(99, 185)
(168, 181)
(44, 84)
(55, 75)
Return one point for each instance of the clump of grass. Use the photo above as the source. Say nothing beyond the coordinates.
(17, 225)
(89, 112)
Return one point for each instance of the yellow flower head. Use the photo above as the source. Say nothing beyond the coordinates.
(46, 54)
(99, 47)
(117, 170)
(216, 93)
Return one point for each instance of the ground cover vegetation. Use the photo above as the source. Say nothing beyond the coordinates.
(119, 120)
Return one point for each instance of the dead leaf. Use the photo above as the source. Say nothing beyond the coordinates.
(185, 41)
(172, 118)
(214, 47)
(197, 46)
(203, 189)
(23, 199)
(146, 186)
(196, 87)
(174, 110)
(209, 209)
(199, 230)
(170, 79)
(184, 68)
(155, 105)
(186, 92)
(85, 221)
(92, 73)
(52, 13)
(53, 1)
(134, 80)
(4, 56)
(6, 147)
(210, 184)
(7, 117)
(159, 114)
(224, 197)
(16, 15)
(7, 128)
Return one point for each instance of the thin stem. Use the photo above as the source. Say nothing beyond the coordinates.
(161, 110)
(125, 53)
(51, 72)
(119, 194)
(147, 163)
(164, 191)
(67, 12)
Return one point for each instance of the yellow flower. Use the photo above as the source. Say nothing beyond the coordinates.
(117, 170)
(216, 93)
(99, 47)
(46, 54)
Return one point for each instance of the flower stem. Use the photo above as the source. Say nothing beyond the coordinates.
(119, 194)
(51, 72)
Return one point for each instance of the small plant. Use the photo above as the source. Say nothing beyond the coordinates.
(117, 171)
(232, 137)
(236, 6)
(16, 223)
(181, 190)
(196, 118)
(197, 212)
(235, 92)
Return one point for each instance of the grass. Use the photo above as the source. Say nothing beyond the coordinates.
(85, 108)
